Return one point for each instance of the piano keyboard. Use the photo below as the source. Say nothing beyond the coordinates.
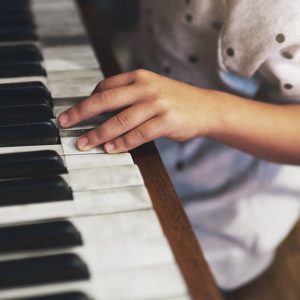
(73, 225)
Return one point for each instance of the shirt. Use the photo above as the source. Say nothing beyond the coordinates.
(240, 207)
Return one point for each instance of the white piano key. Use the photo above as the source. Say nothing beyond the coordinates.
(159, 282)
(105, 178)
(75, 57)
(115, 228)
(73, 83)
(181, 298)
(155, 282)
(69, 148)
(115, 253)
(39, 6)
(100, 202)
(74, 162)
(57, 148)
(58, 23)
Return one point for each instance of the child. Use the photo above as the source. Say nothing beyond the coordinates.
(227, 155)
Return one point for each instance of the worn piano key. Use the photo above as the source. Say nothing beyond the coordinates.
(30, 93)
(105, 177)
(75, 57)
(39, 236)
(41, 270)
(27, 131)
(40, 6)
(73, 83)
(34, 190)
(24, 53)
(21, 69)
(30, 164)
(62, 296)
(73, 162)
(62, 30)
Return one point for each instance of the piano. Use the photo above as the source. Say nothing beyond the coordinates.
(79, 225)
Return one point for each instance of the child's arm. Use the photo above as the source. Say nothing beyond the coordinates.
(155, 106)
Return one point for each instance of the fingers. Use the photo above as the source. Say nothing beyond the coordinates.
(115, 82)
(98, 103)
(144, 133)
(117, 126)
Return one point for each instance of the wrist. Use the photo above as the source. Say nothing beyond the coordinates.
(217, 107)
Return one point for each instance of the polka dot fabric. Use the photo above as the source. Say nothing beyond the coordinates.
(241, 208)
(262, 36)
(190, 40)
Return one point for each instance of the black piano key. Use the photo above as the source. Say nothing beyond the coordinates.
(14, 3)
(18, 13)
(17, 34)
(30, 164)
(16, 22)
(24, 92)
(42, 106)
(63, 296)
(25, 111)
(28, 131)
(39, 236)
(42, 270)
(21, 69)
(14, 54)
(34, 190)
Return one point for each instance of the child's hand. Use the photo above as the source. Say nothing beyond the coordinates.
(153, 106)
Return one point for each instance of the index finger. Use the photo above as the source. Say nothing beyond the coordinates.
(98, 103)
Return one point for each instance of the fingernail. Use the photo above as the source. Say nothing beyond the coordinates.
(82, 143)
(109, 147)
(63, 119)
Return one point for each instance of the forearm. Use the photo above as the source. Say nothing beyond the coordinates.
(268, 131)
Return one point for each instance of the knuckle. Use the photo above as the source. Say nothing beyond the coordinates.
(104, 97)
(141, 134)
(79, 109)
(162, 104)
(94, 136)
(169, 119)
(125, 142)
(141, 74)
(74, 112)
(122, 143)
(121, 120)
